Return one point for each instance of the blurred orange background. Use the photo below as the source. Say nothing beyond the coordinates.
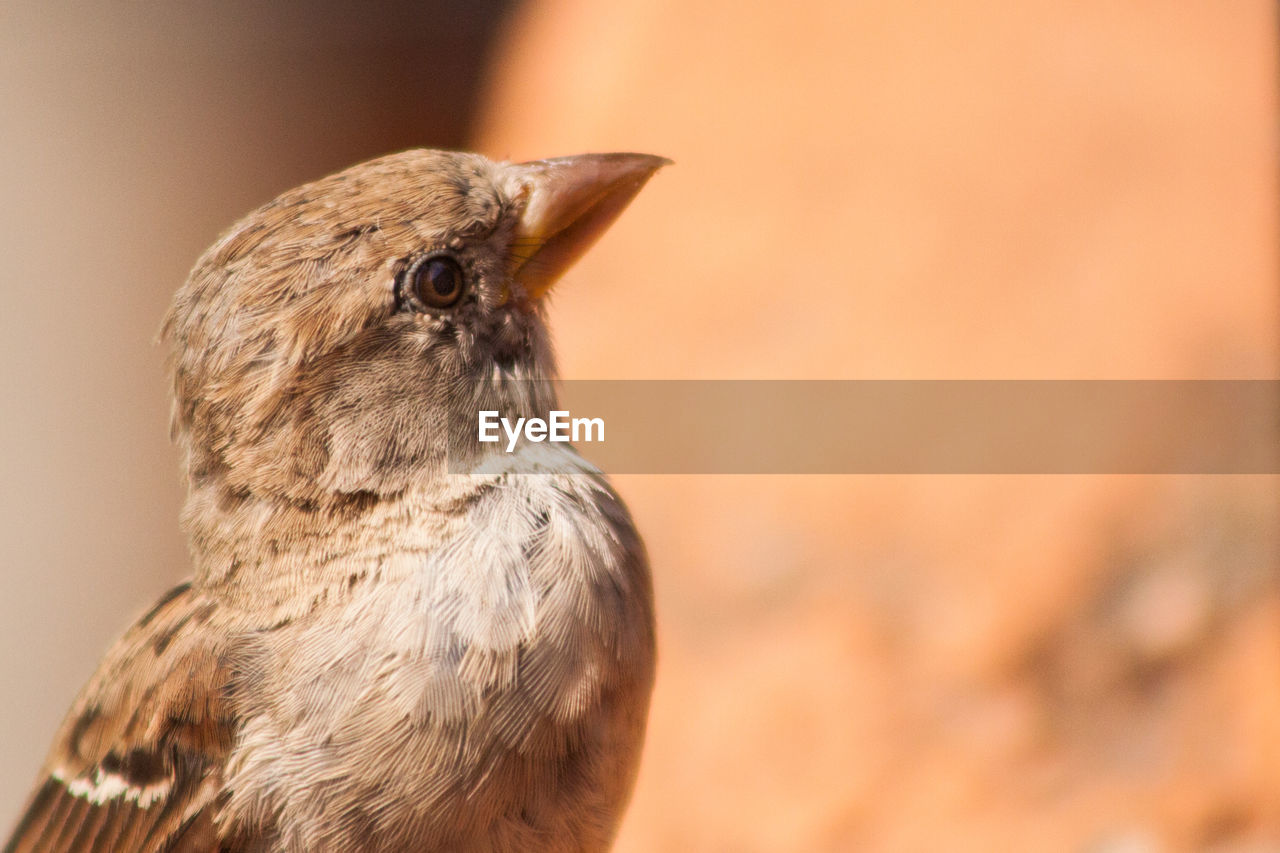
(861, 190)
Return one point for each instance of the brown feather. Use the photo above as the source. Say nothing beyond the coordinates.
(142, 751)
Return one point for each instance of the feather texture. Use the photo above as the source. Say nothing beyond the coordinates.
(137, 764)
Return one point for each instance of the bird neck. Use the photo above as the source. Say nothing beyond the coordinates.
(281, 556)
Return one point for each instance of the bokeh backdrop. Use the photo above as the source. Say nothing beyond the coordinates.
(988, 189)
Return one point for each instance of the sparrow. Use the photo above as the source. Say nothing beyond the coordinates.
(394, 637)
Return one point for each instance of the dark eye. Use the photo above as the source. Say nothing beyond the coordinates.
(435, 281)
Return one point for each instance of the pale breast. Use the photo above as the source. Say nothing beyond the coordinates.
(483, 689)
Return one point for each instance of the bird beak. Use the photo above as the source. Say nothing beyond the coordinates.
(569, 203)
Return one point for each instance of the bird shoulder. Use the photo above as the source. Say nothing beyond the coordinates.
(136, 765)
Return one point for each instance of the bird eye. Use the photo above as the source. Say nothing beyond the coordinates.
(435, 281)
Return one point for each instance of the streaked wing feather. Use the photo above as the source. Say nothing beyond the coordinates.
(137, 764)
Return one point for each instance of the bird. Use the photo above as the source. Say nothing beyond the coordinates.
(394, 637)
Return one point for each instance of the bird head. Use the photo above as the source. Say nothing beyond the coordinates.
(331, 342)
